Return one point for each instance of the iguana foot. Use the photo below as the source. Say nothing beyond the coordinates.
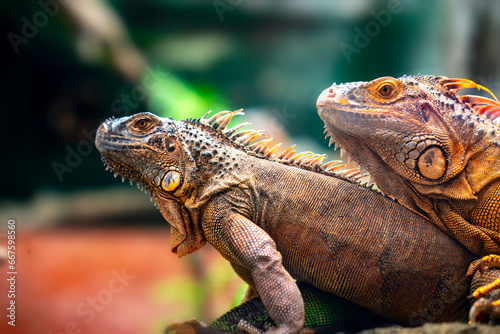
(491, 260)
(484, 309)
(486, 282)
(184, 326)
(247, 327)
(488, 261)
(486, 289)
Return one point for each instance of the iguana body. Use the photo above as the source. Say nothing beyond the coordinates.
(435, 152)
(279, 218)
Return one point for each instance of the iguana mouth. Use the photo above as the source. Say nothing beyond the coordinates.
(104, 146)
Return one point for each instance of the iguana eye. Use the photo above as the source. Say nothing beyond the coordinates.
(387, 90)
(142, 124)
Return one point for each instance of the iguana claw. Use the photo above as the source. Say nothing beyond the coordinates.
(489, 261)
(488, 305)
(484, 309)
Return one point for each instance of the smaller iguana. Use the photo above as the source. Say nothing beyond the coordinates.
(280, 217)
(434, 151)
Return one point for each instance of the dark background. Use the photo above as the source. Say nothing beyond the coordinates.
(253, 54)
(68, 66)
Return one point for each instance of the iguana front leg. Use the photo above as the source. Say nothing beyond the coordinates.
(246, 276)
(248, 246)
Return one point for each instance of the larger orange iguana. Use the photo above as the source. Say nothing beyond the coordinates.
(435, 152)
(282, 217)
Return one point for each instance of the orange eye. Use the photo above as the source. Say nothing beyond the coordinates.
(387, 90)
(142, 124)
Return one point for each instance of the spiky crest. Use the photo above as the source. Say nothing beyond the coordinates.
(481, 105)
(245, 140)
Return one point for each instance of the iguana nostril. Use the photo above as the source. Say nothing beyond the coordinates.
(326, 96)
(102, 128)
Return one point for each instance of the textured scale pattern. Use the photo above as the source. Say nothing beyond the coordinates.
(280, 217)
(432, 150)
(487, 212)
(325, 312)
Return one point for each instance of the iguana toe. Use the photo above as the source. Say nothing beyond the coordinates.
(484, 309)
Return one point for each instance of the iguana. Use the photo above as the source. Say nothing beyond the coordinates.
(435, 152)
(432, 150)
(280, 217)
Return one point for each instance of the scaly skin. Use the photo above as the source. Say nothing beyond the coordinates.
(280, 218)
(435, 152)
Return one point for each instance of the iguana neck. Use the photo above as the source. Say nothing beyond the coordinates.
(219, 166)
(222, 159)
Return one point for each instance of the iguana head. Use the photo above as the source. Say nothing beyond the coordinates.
(413, 131)
(146, 149)
(182, 164)
(155, 153)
